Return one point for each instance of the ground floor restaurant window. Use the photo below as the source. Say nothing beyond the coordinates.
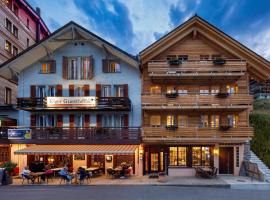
(178, 156)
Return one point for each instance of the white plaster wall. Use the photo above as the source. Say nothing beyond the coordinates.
(21, 160)
(174, 171)
(79, 163)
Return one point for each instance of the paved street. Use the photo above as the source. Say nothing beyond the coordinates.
(127, 193)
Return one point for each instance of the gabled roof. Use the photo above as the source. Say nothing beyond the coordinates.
(69, 32)
(258, 67)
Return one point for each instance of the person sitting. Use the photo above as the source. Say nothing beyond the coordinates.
(81, 174)
(26, 174)
(65, 175)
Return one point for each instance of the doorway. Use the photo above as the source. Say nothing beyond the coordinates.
(226, 161)
(154, 160)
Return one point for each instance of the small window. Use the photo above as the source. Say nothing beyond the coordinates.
(155, 89)
(51, 91)
(86, 72)
(171, 120)
(111, 66)
(15, 9)
(8, 46)
(155, 120)
(106, 91)
(78, 91)
(232, 89)
(15, 31)
(204, 121)
(182, 121)
(41, 91)
(119, 90)
(8, 25)
(7, 95)
(47, 67)
(27, 23)
(15, 51)
(215, 121)
(73, 69)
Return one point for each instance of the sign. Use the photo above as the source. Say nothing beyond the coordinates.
(53, 102)
(19, 134)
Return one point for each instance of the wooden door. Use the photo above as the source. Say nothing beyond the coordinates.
(226, 160)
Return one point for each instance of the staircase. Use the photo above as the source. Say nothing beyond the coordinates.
(264, 169)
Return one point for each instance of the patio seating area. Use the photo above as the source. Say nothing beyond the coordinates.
(206, 172)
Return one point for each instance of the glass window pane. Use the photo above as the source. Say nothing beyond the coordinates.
(170, 120)
(173, 156)
(182, 156)
(206, 156)
(196, 156)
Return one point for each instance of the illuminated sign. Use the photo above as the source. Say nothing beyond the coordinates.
(53, 102)
(19, 134)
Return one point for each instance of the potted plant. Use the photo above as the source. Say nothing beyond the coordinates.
(225, 127)
(171, 127)
(9, 171)
(162, 177)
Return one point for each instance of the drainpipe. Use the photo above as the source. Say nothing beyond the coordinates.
(38, 25)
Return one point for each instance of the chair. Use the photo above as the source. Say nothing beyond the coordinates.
(82, 176)
(111, 173)
(215, 171)
(89, 175)
(27, 177)
(63, 178)
(49, 176)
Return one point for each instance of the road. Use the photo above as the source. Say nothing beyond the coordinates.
(127, 193)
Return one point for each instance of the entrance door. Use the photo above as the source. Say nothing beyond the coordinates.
(226, 160)
(154, 162)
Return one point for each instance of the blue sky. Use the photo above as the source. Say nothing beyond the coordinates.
(134, 24)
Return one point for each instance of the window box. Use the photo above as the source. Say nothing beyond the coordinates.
(174, 62)
(222, 95)
(171, 127)
(219, 61)
(172, 94)
(224, 127)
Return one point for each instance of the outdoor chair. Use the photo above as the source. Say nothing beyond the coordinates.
(214, 174)
(27, 177)
(111, 173)
(63, 178)
(49, 176)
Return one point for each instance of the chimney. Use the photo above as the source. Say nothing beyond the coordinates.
(38, 25)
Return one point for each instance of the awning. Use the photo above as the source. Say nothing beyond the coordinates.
(77, 149)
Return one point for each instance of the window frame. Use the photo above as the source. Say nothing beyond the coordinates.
(9, 50)
(8, 96)
(8, 25)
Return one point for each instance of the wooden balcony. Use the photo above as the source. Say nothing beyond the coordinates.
(67, 135)
(192, 69)
(103, 103)
(195, 135)
(196, 101)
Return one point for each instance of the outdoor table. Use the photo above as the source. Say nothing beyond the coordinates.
(56, 170)
(92, 169)
(37, 176)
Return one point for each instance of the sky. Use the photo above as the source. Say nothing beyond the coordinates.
(132, 25)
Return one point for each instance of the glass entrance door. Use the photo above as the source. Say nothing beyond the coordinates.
(154, 162)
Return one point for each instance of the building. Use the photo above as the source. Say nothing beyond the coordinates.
(196, 101)
(79, 101)
(21, 26)
(260, 90)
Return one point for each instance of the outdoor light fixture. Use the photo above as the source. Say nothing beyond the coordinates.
(216, 152)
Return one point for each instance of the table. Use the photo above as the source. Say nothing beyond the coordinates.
(37, 175)
(57, 169)
(91, 169)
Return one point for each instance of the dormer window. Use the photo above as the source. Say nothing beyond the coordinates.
(110, 66)
(48, 67)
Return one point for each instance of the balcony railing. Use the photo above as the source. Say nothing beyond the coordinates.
(77, 135)
(196, 101)
(103, 103)
(195, 134)
(196, 68)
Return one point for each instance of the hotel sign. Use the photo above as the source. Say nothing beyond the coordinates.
(54, 102)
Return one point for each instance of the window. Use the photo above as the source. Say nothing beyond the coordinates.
(196, 156)
(233, 120)
(15, 9)
(51, 120)
(47, 67)
(78, 91)
(182, 91)
(214, 90)
(106, 91)
(8, 46)
(8, 25)
(232, 89)
(85, 68)
(155, 89)
(178, 156)
(51, 91)
(111, 66)
(170, 120)
(204, 90)
(106, 120)
(79, 121)
(155, 120)
(215, 121)
(183, 58)
(206, 156)
(14, 50)
(15, 31)
(119, 121)
(27, 42)
(41, 91)
(182, 121)
(204, 57)
(204, 121)
(41, 120)
(171, 90)
(119, 90)
(27, 23)
(7, 95)
(73, 70)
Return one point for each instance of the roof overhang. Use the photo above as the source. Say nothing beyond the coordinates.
(258, 67)
(71, 32)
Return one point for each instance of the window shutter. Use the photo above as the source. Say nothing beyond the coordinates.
(71, 121)
(53, 66)
(65, 67)
(59, 120)
(105, 65)
(126, 120)
(71, 90)
(91, 68)
(33, 91)
(99, 120)
(98, 90)
(58, 90)
(86, 90)
(125, 90)
(86, 120)
(33, 120)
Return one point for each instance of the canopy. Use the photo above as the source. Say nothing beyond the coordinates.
(78, 149)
